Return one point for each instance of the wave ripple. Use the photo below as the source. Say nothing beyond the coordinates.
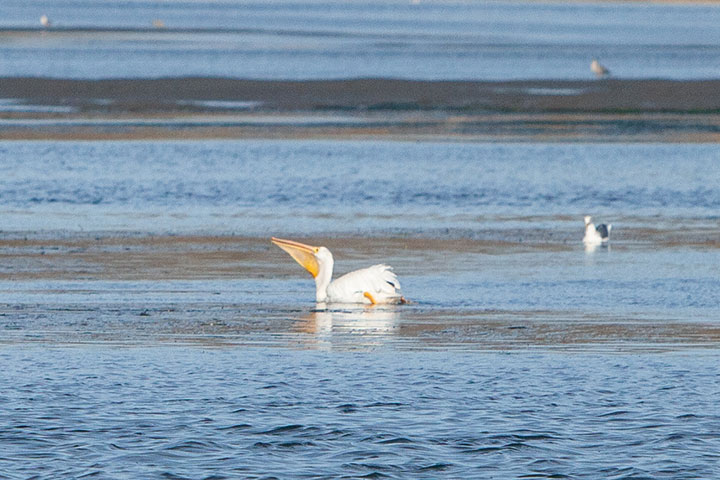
(115, 413)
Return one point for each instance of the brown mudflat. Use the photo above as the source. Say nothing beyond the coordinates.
(580, 96)
(123, 256)
(541, 110)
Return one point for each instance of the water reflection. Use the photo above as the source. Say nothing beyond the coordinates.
(338, 324)
(595, 253)
(591, 248)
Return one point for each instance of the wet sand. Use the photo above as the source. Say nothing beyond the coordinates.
(151, 95)
(127, 256)
(176, 108)
(136, 289)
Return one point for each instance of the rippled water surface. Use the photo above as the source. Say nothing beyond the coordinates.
(248, 413)
(468, 227)
(148, 329)
(302, 187)
(427, 39)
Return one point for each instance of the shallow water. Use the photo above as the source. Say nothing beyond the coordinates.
(492, 298)
(149, 329)
(468, 227)
(339, 39)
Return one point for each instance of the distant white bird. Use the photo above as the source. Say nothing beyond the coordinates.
(598, 69)
(45, 21)
(596, 235)
(372, 285)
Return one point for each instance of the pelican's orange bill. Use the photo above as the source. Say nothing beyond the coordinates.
(303, 254)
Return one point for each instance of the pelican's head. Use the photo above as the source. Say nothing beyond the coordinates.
(588, 219)
(316, 260)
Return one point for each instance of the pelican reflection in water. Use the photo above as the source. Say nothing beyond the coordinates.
(354, 324)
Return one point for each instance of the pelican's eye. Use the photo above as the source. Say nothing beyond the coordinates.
(317, 250)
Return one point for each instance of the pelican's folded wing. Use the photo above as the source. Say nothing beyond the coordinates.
(376, 284)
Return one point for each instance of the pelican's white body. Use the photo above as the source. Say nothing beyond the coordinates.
(379, 281)
(376, 284)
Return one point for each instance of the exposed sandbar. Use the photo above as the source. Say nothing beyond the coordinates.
(598, 96)
(541, 110)
(142, 256)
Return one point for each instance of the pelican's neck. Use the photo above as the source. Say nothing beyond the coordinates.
(323, 278)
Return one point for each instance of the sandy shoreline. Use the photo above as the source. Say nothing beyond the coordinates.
(611, 110)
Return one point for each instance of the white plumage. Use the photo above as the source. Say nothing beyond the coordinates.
(373, 285)
(596, 235)
(378, 282)
(598, 69)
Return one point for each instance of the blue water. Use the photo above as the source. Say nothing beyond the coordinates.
(340, 187)
(522, 355)
(516, 210)
(342, 39)
(253, 413)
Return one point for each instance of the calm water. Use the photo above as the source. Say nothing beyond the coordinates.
(340, 39)
(523, 356)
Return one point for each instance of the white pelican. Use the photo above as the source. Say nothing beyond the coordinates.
(598, 69)
(596, 235)
(45, 21)
(373, 285)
